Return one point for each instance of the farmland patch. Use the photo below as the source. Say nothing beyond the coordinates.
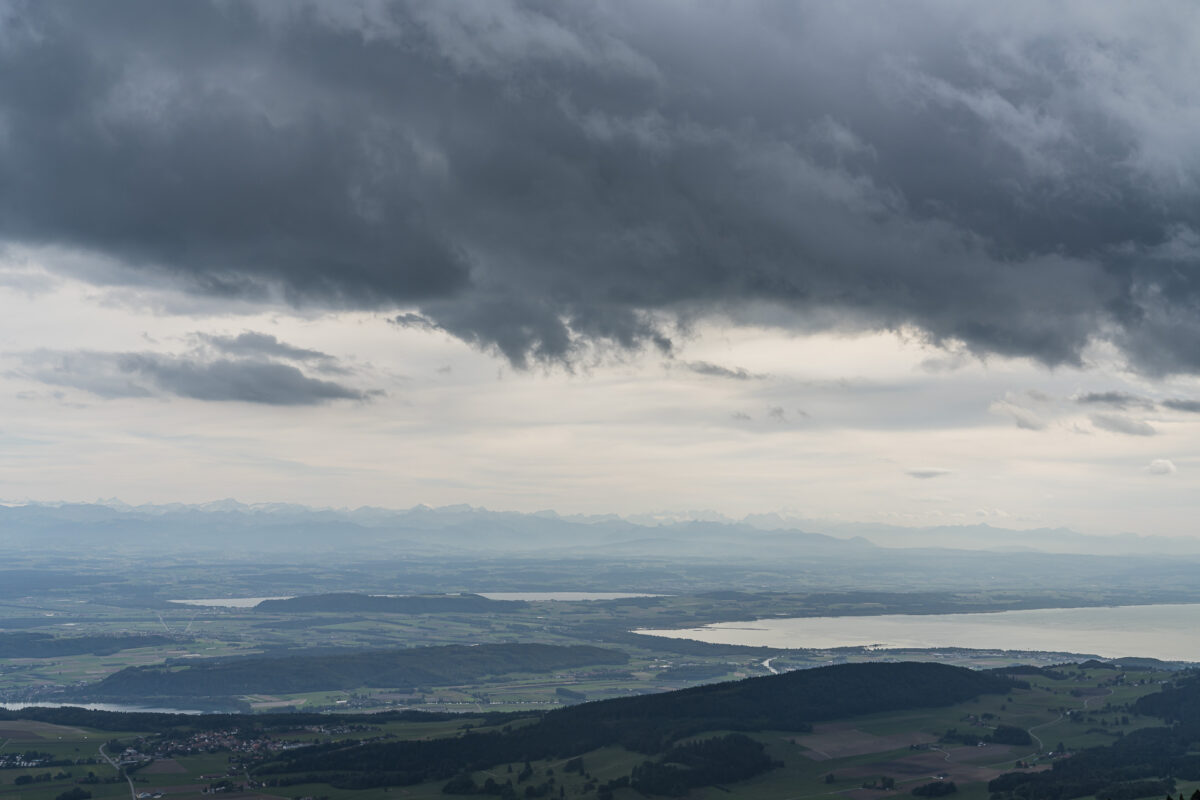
(842, 739)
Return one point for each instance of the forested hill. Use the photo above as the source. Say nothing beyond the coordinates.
(418, 666)
(383, 604)
(784, 701)
(652, 723)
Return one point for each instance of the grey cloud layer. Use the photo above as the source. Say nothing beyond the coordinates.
(541, 178)
(1113, 398)
(262, 345)
(1118, 424)
(251, 381)
(253, 343)
(197, 376)
(1190, 406)
(718, 371)
(927, 473)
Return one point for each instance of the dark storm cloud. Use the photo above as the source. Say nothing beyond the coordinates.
(251, 380)
(543, 178)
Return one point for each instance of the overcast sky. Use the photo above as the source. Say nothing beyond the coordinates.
(910, 262)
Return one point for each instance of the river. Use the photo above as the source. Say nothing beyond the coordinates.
(1167, 632)
(100, 707)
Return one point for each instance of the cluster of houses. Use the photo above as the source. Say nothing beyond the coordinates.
(232, 740)
(132, 758)
(338, 730)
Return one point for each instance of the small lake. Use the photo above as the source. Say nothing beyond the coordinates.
(1167, 632)
(569, 597)
(227, 602)
(251, 602)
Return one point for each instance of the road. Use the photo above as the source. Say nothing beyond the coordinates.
(1086, 702)
(117, 767)
(1036, 738)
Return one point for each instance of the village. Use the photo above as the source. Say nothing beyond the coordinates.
(234, 740)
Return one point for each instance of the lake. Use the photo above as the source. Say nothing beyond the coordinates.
(227, 602)
(251, 602)
(1167, 632)
(569, 597)
(100, 707)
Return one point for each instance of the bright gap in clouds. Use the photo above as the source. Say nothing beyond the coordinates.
(740, 420)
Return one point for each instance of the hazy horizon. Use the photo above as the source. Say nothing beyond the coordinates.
(495, 530)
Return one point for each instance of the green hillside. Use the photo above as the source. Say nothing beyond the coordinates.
(651, 724)
(434, 666)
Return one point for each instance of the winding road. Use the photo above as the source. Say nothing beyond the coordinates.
(1086, 702)
(1041, 745)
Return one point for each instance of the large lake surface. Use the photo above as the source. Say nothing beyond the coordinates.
(1169, 632)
